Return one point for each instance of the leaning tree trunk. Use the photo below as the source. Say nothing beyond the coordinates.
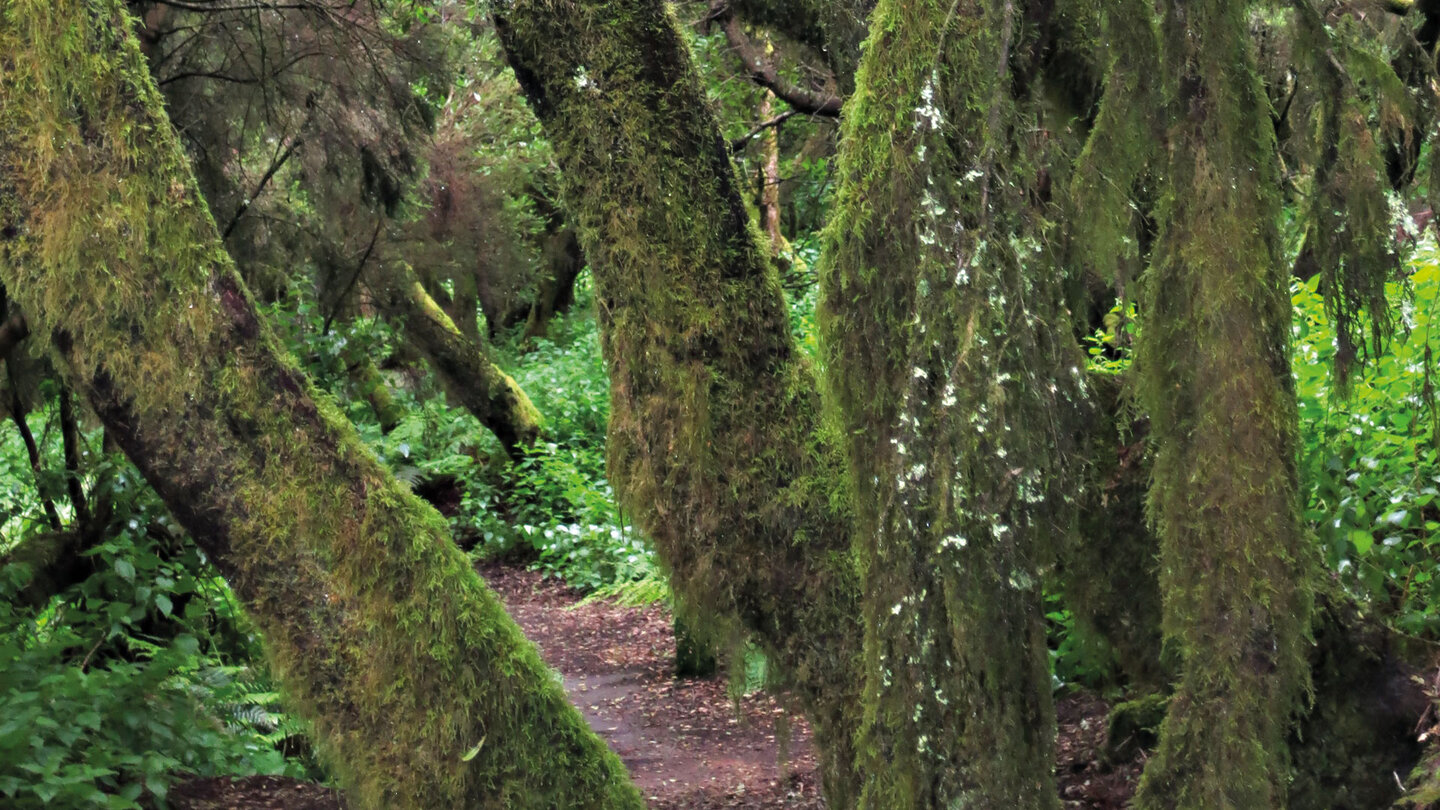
(561, 263)
(952, 362)
(1235, 569)
(715, 432)
(368, 383)
(422, 692)
(464, 366)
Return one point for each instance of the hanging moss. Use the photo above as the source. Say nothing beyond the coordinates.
(422, 692)
(1350, 238)
(715, 440)
(1122, 145)
(1235, 569)
(954, 375)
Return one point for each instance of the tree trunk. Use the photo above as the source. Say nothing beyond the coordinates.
(1106, 567)
(422, 692)
(768, 178)
(369, 385)
(715, 431)
(1235, 568)
(465, 367)
(464, 305)
(562, 260)
(955, 372)
(1359, 731)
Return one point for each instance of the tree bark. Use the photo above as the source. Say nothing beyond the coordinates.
(465, 367)
(422, 692)
(834, 29)
(367, 382)
(1236, 572)
(562, 260)
(953, 367)
(716, 441)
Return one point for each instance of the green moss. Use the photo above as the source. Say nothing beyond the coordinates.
(1106, 569)
(1358, 738)
(955, 379)
(463, 364)
(1235, 569)
(1350, 236)
(1121, 146)
(1132, 726)
(370, 386)
(715, 441)
(422, 692)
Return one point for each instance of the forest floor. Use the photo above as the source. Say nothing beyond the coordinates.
(689, 745)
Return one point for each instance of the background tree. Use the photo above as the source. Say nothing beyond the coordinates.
(886, 516)
(354, 583)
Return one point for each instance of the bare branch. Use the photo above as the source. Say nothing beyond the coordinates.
(739, 143)
(761, 69)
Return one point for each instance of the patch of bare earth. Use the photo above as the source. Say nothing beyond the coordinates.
(253, 793)
(687, 743)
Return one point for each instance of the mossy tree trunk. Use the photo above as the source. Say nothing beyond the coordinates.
(953, 367)
(464, 366)
(715, 433)
(561, 263)
(369, 384)
(1235, 569)
(422, 692)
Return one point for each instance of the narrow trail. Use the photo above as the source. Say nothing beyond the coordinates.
(687, 744)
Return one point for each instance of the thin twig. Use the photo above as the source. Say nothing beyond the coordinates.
(269, 173)
(740, 142)
(335, 310)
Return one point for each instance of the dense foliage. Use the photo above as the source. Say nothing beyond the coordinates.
(126, 662)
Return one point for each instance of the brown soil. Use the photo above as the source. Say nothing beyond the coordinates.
(687, 743)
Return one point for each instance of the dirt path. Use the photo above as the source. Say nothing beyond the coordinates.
(687, 744)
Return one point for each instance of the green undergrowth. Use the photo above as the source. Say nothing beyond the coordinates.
(1369, 455)
(553, 507)
(1370, 470)
(141, 674)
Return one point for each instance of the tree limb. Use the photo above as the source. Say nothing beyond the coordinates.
(761, 69)
(739, 143)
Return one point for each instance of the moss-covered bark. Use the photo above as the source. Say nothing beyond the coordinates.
(53, 561)
(1235, 570)
(946, 346)
(1106, 568)
(464, 366)
(715, 436)
(1350, 239)
(422, 692)
(369, 385)
(561, 263)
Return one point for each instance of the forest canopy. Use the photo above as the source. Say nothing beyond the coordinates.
(931, 365)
